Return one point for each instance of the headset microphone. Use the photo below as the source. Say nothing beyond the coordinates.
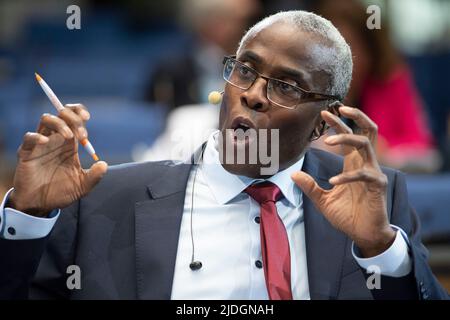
(215, 97)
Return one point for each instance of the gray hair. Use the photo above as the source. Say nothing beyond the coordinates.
(335, 57)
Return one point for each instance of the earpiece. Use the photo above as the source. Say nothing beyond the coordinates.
(333, 108)
(195, 265)
(215, 97)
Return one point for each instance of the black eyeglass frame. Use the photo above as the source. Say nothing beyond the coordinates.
(309, 95)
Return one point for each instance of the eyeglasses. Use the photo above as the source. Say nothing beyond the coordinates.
(279, 92)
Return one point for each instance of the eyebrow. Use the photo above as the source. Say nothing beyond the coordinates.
(297, 75)
(250, 55)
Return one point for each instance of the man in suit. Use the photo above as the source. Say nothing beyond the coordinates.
(222, 229)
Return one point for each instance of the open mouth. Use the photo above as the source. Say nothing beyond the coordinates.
(242, 123)
(244, 127)
(243, 130)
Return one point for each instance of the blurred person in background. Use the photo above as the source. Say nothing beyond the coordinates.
(383, 87)
(186, 78)
(216, 26)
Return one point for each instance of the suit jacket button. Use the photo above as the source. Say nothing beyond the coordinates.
(11, 231)
(258, 264)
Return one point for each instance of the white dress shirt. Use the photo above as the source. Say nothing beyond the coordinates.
(227, 236)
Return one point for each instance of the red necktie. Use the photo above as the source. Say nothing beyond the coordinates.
(274, 241)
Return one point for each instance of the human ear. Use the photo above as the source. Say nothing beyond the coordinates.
(321, 127)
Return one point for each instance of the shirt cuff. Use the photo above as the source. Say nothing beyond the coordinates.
(16, 225)
(394, 262)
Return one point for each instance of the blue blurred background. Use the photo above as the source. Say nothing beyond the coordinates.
(125, 53)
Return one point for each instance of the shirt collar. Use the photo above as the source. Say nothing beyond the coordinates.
(225, 186)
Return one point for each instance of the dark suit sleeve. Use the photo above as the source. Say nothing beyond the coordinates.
(36, 269)
(420, 283)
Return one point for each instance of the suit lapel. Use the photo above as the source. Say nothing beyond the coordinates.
(325, 246)
(157, 227)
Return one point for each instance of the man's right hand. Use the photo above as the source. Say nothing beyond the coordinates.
(49, 174)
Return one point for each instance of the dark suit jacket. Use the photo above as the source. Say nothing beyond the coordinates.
(124, 237)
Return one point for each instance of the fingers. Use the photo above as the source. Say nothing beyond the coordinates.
(334, 122)
(94, 175)
(360, 143)
(80, 110)
(50, 123)
(31, 140)
(367, 127)
(74, 121)
(308, 185)
(364, 175)
(69, 123)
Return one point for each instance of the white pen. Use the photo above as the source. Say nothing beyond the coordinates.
(59, 106)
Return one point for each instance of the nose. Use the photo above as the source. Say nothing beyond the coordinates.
(255, 97)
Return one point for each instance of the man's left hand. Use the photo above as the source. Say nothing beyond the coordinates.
(356, 205)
